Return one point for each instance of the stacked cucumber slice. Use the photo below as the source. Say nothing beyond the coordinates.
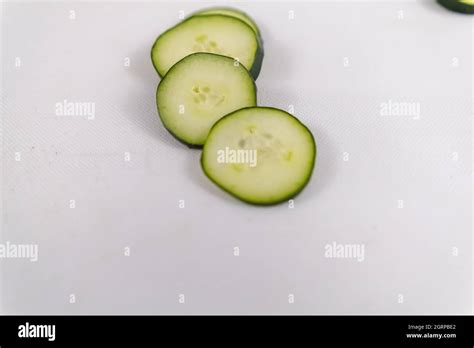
(463, 6)
(207, 98)
(232, 12)
(284, 162)
(200, 89)
(213, 33)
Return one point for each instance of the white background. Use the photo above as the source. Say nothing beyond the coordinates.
(407, 56)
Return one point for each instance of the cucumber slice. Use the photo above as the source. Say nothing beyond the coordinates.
(260, 155)
(463, 6)
(217, 34)
(199, 90)
(232, 12)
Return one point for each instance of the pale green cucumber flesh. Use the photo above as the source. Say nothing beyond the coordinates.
(217, 34)
(199, 90)
(228, 11)
(283, 149)
(232, 12)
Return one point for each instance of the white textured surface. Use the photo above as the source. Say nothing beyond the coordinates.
(190, 251)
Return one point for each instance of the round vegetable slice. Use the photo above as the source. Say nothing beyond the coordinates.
(260, 155)
(200, 89)
(463, 6)
(219, 34)
(229, 11)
